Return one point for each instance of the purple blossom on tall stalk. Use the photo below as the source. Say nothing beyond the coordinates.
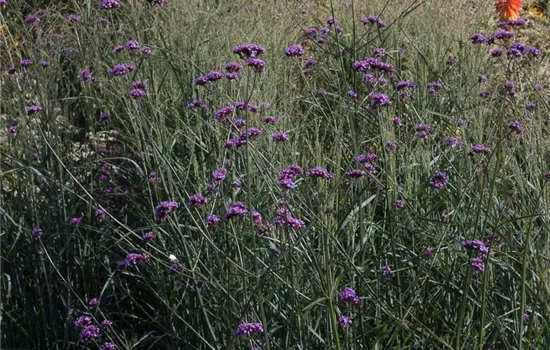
(269, 119)
(212, 221)
(164, 208)
(132, 260)
(82, 321)
(349, 295)
(480, 149)
(103, 116)
(31, 19)
(344, 322)
(355, 173)
(100, 214)
(294, 51)
(423, 130)
(88, 333)
(148, 236)
(146, 50)
(196, 201)
(496, 52)
(86, 75)
(109, 4)
(372, 19)
(530, 106)
(438, 180)
(25, 63)
(219, 174)
(75, 221)
(139, 85)
(481, 78)
(233, 67)
(256, 63)
(158, 2)
(478, 38)
(117, 48)
(121, 69)
(396, 121)
(352, 95)
(450, 61)
(13, 129)
(36, 232)
(94, 304)
(279, 136)
(386, 270)
(137, 94)
(44, 64)
(320, 173)
(452, 142)
(74, 17)
(484, 93)
(510, 87)
(11, 70)
(516, 127)
(379, 100)
(108, 346)
(236, 209)
(390, 146)
(477, 265)
(246, 51)
(197, 104)
(132, 45)
(245, 330)
(477, 246)
(284, 219)
(224, 112)
(399, 204)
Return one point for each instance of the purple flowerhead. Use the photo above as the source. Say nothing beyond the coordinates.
(397, 121)
(481, 78)
(320, 173)
(108, 346)
(31, 19)
(120, 69)
(309, 65)
(223, 112)
(477, 265)
(372, 19)
(43, 64)
(294, 51)
(219, 174)
(132, 260)
(344, 322)
(158, 2)
(349, 295)
(477, 246)
(269, 119)
(137, 94)
(477, 38)
(197, 104)
(148, 236)
(13, 129)
(25, 63)
(196, 201)
(86, 75)
(164, 208)
(233, 67)
(88, 333)
(139, 85)
(146, 50)
(74, 17)
(530, 106)
(399, 204)
(450, 61)
(132, 45)
(379, 100)
(245, 330)
(212, 221)
(12, 70)
(352, 95)
(93, 304)
(438, 180)
(109, 4)
(428, 252)
(106, 324)
(480, 149)
(82, 321)
(538, 87)
(510, 87)
(484, 93)
(75, 221)
(37, 232)
(497, 52)
(246, 51)
(174, 268)
(236, 209)
(452, 142)
(386, 270)
(284, 219)
(390, 145)
(279, 136)
(355, 173)
(423, 130)
(516, 127)
(100, 214)
(257, 64)
(117, 48)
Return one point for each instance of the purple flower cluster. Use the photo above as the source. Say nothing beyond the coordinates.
(320, 173)
(132, 260)
(224, 112)
(82, 321)
(108, 346)
(212, 221)
(349, 295)
(86, 75)
(164, 208)
(279, 136)
(88, 333)
(386, 270)
(294, 51)
(36, 232)
(438, 180)
(378, 99)
(109, 4)
(197, 104)
(372, 63)
(423, 130)
(246, 51)
(516, 127)
(372, 19)
(284, 219)
(452, 142)
(148, 236)
(93, 304)
(287, 175)
(33, 109)
(476, 245)
(196, 201)
(247, 329)
(477, 265)
(219, 174)
(209, 77)
(236, 209)
(121, 69)
(480, 149)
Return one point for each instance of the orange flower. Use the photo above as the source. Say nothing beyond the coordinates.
(508, 9)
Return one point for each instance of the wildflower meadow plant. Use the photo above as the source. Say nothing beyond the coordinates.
(349, 179)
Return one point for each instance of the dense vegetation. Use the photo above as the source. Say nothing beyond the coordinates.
(273, 175)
